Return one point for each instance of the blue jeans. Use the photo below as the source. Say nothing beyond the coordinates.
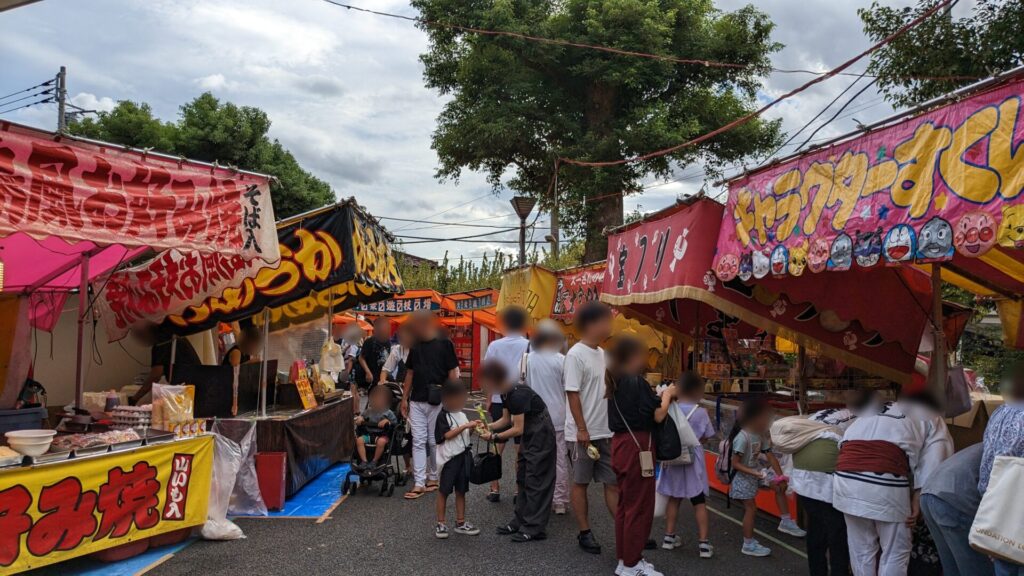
(1004, 568)
(950, 529)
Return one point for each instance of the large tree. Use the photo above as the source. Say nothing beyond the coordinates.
(942, 53)
(516, 105)
(209, 130)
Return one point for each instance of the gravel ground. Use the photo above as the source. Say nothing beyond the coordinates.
(371, 535)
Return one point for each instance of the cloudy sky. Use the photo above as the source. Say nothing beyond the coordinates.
(344, 89)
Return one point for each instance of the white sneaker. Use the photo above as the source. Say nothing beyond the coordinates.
(671, 542)
(706, 549)
(559, 509)
(619, 568)
(788, 526)
(466, 529)
(642, 568)
(756, 549)
(441, 531)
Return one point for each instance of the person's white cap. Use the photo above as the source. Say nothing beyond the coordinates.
(549, 326)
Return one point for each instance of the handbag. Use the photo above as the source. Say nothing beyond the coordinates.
(660, 500)
(687, 438)
(997, 530)
(958, 392)
(434, 394)
(669, 446)
(486, 466)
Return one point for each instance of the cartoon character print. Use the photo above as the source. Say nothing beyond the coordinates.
(761, 264)
(817, 257)
(935, 241)
(709, 280)
(623, 256)
(974, 234)
(746, 266)
(900, 244)
(780, 260)
(841, 256)
(1011, 233)
(798, 259)
(868, 249)
(728, 267)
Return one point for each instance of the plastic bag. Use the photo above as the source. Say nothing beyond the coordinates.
(227, 457)
(172, 405)
(660, 500)
(246, 499)
(331, 357)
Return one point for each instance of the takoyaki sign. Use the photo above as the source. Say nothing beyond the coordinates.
(944, 183)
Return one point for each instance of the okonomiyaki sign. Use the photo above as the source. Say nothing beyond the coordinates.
(945, 182)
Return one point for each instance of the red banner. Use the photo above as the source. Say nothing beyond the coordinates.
(59, 186)
(574, 287)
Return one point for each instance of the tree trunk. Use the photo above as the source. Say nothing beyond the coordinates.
(605, 210)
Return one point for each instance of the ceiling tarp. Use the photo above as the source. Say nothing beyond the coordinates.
(660, 268)
(943, 186)
(333, 257)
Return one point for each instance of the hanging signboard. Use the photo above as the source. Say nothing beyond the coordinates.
(946, 182)
(529, 287)
(398, 305)
(54, 512)
(575, 287)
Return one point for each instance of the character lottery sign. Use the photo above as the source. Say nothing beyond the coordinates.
(58, 511)
(943, 183)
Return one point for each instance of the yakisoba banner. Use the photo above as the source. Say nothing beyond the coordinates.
(575, 287)
(945, 182)
(52, 185)
(54, 512)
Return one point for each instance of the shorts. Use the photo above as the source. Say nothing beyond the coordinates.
(371, 438)
(455, 474)
(699, 499)
(585, 470)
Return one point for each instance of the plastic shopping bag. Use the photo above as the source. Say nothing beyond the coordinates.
(227, 457)
(245, 499)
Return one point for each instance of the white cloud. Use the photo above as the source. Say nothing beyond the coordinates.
(214, 82)
(92, 102)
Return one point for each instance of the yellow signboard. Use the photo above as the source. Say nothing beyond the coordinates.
(58, 511)
(530, 287)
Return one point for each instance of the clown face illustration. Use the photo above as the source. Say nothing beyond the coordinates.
(869, 248)
(900, 244)
(798, 259)
(975, 233)
(780, 260)
(817, 258)
(935, 242)
(728, 267)
(761, 265)
(746, 266)
(842, 253)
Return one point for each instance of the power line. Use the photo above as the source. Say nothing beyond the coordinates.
(495, 233)
(838, 112)
(29, 89)
(439, 223)
(46, 101)
(37, 94)
(486, 194)
(756, 113)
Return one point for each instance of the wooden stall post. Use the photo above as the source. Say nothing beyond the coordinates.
(801, 379)
(937, 373)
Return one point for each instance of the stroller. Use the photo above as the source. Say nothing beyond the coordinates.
(389, 471)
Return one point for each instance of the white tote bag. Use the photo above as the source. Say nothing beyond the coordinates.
(687, 438)
(660, 500)
(998, 530)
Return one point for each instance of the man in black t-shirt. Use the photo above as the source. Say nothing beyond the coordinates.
(375, 352)
(432, 361)
(160, 344)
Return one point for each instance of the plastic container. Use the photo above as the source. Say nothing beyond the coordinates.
(271, 468)
(30, 442)
(24, 419)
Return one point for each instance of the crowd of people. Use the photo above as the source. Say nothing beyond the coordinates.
(874, 480)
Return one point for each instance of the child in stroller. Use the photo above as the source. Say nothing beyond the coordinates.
(373, 427)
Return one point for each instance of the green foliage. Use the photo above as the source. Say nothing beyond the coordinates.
(517, 105)
(987, 41)
(457, 276)
(210, 131)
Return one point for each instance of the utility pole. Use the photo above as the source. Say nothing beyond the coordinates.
(522, 205)
(554, 215)
(62, 94)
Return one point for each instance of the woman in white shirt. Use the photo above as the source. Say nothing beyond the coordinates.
(394, 366)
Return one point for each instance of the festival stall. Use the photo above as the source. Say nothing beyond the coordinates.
(530, 287)
(332, 259)
(73, 211)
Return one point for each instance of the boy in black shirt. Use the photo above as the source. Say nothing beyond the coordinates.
(431, 362)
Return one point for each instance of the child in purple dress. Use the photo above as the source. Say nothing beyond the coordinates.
(689, 481)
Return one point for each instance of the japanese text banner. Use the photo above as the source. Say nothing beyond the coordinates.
(84, 191)
(55, 512)
(575, 287)
(943, 183)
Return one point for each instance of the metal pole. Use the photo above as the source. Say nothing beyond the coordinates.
(554, 215)
(174, 356)
(937, 373)
(263, 364)
(801, 380)
(522, 240)
(83, 306)
(62, 92)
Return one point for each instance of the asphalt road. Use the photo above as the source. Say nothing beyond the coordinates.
(372, 535)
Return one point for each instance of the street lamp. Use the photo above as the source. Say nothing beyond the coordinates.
(522, 205)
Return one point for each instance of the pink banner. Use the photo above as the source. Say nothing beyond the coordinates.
(574, 287)
(54, 186)
(943, 183)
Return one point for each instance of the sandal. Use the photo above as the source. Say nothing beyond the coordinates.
(431, 487)
(414, 493)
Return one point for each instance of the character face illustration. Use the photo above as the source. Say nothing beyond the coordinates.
(935, 240)
(728, 267)
(974, 234)
(899, 245)
(1011, 233)
(842, 253)
(780, 260)
(746, 266)
(817, 258)
(798, 259)
(869, 248)
(761, 266)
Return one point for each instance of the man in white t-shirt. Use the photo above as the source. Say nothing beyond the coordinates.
(586, 421)
(544, 365)
(508, 351)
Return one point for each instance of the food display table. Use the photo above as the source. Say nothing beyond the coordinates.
(76, 506)
(314, 440)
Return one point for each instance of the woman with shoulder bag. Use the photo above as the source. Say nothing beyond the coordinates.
(633, 412)
(688, 481)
